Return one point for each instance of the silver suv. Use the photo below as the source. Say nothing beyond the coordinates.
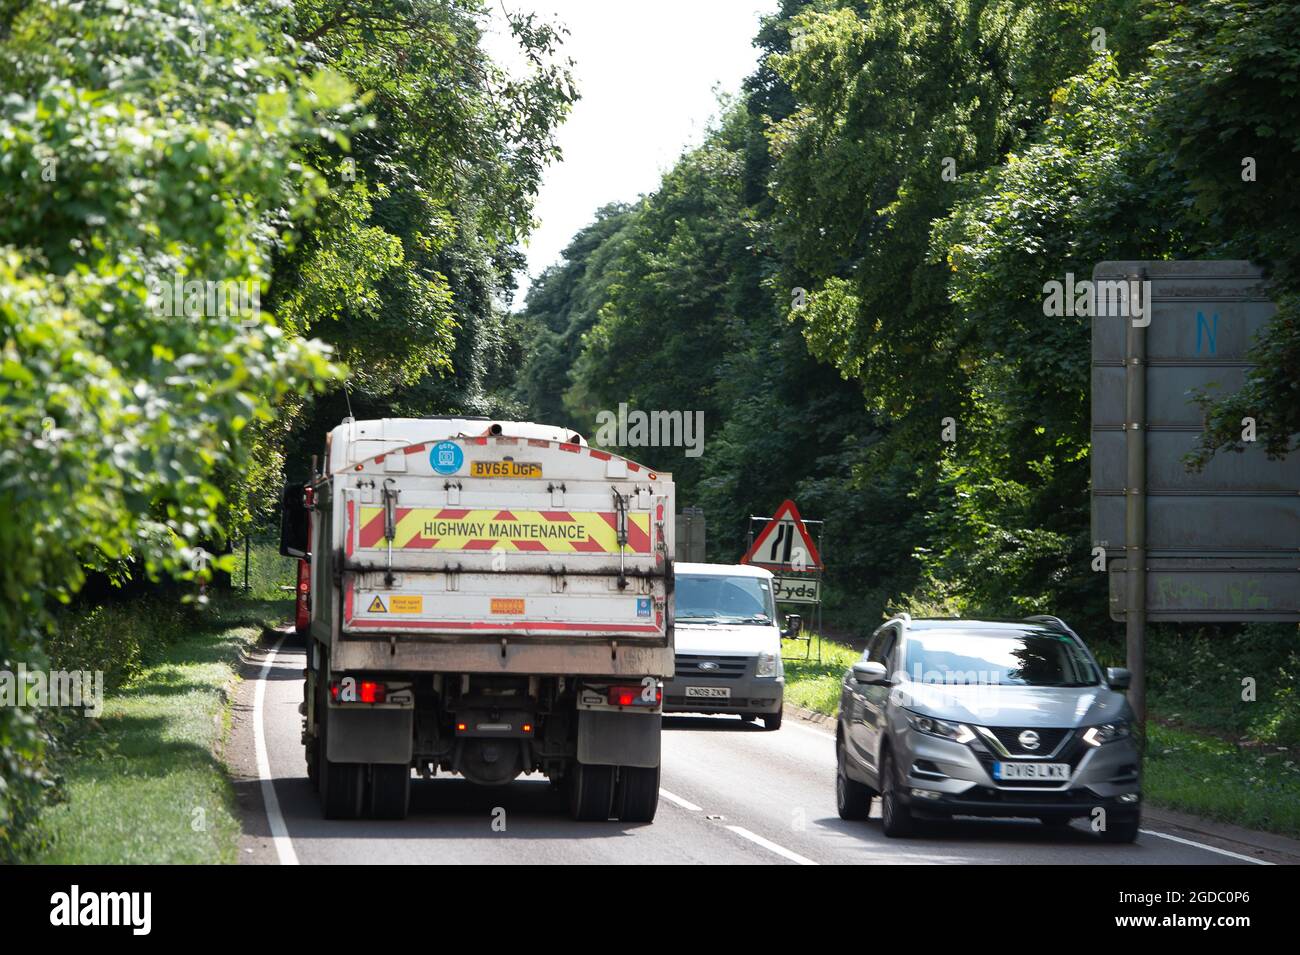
(944, 718)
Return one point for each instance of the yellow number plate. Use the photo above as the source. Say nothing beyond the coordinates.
(505, 469)
(507, 605)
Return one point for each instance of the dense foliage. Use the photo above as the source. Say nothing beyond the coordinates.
(203, 206)
(857, 254)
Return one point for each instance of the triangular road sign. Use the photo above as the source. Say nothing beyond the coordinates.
(784, 544)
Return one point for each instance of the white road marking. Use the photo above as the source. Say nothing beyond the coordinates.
(678, 800)
(279, 831)
(1202, 845)
(771, 846)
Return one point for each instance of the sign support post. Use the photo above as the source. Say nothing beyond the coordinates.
(1135, 512)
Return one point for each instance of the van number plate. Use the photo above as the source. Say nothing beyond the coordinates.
(709, 692)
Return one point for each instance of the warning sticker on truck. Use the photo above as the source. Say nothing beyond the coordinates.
(449, 528)
(397, 603)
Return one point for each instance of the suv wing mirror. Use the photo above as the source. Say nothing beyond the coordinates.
(870, 673)
(1118, 678)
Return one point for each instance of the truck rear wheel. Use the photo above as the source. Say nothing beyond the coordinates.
(341, 788)
(342, 785)
(591, 795)
(390, 791)
(637, 796)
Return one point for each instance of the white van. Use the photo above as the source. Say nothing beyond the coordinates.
(728, 644)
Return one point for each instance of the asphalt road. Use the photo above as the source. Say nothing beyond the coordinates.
(732, 794)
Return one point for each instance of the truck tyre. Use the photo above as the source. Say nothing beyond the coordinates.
(772, 721)
(637, 796)
(592, 794)
(342, 785)
(311, 748)
(341, 788)
(390, 791)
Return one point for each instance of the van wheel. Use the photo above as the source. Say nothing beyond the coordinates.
(591, 795)
(390, 791)
(895, 818)
(772, 721)
(637, 795)
(852, 798)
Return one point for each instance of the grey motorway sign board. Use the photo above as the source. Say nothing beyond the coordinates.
(1222, 544)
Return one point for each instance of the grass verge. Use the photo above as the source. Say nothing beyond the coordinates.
(142, 783)
(1251, 785)
(810, 684)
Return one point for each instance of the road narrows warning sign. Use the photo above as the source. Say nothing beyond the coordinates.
(784, 544)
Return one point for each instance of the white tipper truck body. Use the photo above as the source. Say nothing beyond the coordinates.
(488, 598)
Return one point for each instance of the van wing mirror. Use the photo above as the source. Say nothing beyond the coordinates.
(1118, 678)
(870, 673)
(793, 625)
(293, 521)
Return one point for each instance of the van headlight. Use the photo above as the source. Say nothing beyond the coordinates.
(767, 663)
(957, 732)
(1106, 733)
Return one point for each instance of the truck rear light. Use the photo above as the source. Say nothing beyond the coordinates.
(358, 691)
(633, 696)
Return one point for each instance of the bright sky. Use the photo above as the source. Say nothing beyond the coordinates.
(649, 76)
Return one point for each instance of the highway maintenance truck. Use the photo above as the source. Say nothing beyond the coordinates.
(487, 598)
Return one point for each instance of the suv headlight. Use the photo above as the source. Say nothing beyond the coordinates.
(767, 663)
(1106, 733)
(957, 732)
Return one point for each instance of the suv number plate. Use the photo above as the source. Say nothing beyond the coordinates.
(1056, 772)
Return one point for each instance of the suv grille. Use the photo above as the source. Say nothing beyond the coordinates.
(1048, 740)
(723, 668)
(1071, 753)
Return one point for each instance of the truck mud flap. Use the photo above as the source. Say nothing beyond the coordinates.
(359, 735)
(618, 739)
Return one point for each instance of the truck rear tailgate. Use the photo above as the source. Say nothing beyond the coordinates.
(487, 537)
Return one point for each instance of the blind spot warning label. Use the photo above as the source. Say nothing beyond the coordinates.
(376, 606)
(400, 603)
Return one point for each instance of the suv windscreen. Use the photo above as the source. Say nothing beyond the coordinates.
(716, 599)
(998, 658)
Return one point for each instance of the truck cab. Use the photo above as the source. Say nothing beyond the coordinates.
(728, 644)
